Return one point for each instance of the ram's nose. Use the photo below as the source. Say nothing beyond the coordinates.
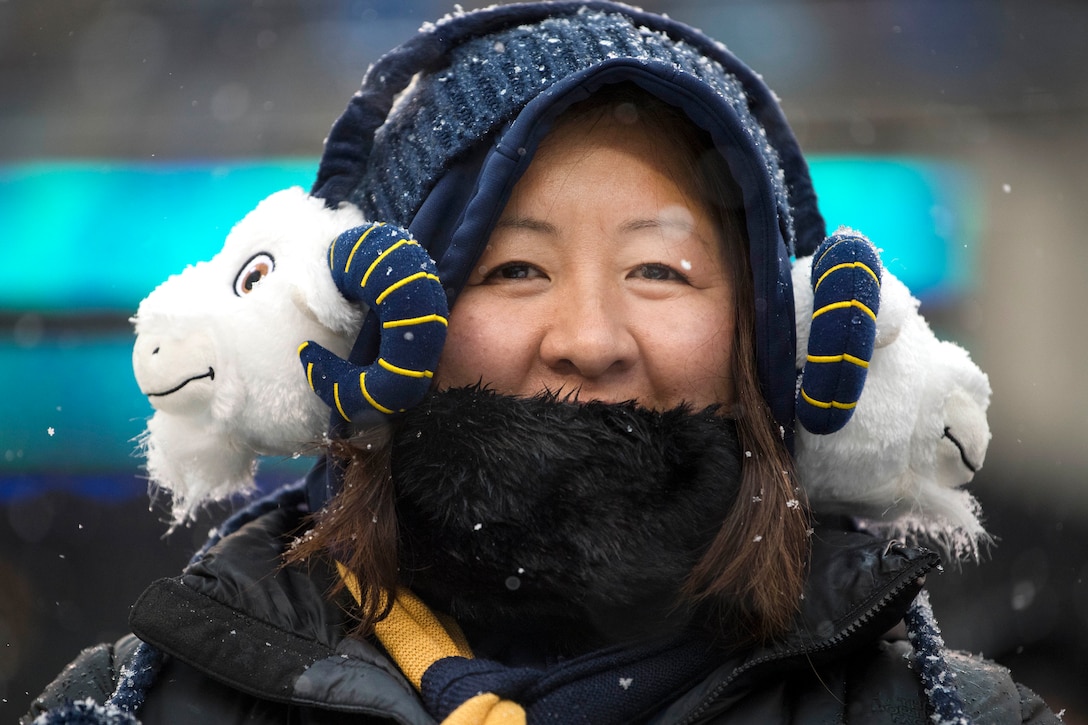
(177, 374)
(966, 438)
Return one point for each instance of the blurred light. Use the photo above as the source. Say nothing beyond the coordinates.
(1023, 595)
(922, 214)
(80, 389)
(102, 235)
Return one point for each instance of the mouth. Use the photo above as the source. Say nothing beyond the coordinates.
(210, 375)
(973, 468)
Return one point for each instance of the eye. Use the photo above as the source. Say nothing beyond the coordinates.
(513, 270)
(658, 273)
(252, 272)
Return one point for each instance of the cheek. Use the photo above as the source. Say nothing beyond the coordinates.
(480, 346)
(709, 366)
(696, 358)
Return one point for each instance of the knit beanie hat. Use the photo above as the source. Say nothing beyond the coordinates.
(446, 123)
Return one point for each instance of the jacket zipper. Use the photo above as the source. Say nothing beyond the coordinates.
(906, 580)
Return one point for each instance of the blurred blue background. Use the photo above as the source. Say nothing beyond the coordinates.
(133, 135)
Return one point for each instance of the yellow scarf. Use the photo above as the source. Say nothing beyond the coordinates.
(415, 637)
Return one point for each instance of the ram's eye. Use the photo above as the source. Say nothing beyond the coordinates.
(252, 272)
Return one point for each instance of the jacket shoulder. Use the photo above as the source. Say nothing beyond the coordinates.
(873, 685)
(989, 693)
(992, 696)
(92, 674)
(885, 688)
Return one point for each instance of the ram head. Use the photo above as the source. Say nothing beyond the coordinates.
(216, 350)
(912, 440)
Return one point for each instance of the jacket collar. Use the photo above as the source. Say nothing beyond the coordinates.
(242, 618)
(858, 588)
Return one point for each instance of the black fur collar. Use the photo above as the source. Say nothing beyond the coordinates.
(545, 517)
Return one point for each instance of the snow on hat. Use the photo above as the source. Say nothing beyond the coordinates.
(445, 124)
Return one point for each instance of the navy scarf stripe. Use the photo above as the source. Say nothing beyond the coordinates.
(616, 685)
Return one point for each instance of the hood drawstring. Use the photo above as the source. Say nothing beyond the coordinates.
(938, 680)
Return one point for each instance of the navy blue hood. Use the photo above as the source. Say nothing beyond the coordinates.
(446, 123)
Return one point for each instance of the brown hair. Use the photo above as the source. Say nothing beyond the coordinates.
(749, 581)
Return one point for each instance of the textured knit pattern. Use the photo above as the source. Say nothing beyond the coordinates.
(490, 79)
(412, 634)
(86, 712)
(938, 680)
(135, 677)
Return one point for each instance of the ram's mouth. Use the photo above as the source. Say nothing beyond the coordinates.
(210, 374)
(973, 468)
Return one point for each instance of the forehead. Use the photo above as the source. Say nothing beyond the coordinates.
(610, 188)
(631, 142)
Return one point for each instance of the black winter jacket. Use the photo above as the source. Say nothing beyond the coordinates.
(251, 641)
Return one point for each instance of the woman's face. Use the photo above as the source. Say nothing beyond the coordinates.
(604, 276)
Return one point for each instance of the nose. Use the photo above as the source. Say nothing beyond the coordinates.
(175, 370)
(588, 338)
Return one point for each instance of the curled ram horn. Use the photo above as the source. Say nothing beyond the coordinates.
(845, 280)
(382, 267)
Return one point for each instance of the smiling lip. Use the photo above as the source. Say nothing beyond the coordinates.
(210, 374)
(963, 454)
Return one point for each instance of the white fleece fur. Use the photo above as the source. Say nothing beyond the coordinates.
(202, 442)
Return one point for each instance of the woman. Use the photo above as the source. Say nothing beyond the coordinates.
(593, 516)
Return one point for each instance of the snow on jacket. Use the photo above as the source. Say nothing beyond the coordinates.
(250, 640)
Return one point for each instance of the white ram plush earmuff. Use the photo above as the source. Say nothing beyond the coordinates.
(917, 436)
(216, 350)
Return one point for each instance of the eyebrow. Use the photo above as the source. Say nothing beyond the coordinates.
(632, 225)
(636, 225)
(528, 223)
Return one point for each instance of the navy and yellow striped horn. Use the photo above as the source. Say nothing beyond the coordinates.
(384, 268)
(846, 275)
